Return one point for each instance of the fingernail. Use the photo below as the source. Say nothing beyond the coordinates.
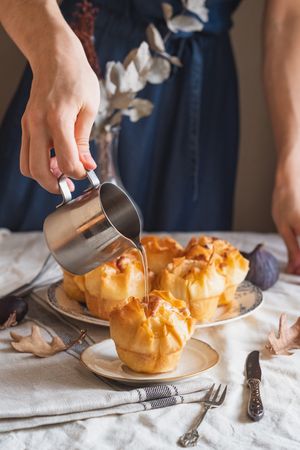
(71, 185)
(88, 161)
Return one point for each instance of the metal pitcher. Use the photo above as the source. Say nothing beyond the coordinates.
(95, 227)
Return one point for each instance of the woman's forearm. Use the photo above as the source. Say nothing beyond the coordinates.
(282, 85)
(37, 27)
(64, 95)
(282, 78)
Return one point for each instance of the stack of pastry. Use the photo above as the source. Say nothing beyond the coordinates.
(205, 274)
(73, 286)
(227, 259)
(197, 282)
(109, 285)
(150, 334)
(160, 251)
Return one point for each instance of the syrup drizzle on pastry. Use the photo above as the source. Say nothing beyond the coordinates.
(143, 255)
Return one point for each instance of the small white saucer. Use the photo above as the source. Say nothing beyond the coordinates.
(102, 359)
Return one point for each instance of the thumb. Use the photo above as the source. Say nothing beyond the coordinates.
(83, 127)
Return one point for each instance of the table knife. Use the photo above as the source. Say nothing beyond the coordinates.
(253, 373)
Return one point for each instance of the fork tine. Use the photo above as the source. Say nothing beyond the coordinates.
(214, 402)
(222, 398)
(208, 395)
(214, 399)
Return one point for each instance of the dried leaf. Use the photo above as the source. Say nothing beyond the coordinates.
(139, 108)
(140, 57)
(117, 77)
(130, 77)
(167, 11)
(160, 70)
(197, 7)
(174, 60)
(130, 57)
(114, 120)
(121, 100)
(288, 338)
(110, 88)
(184, 23)
(154, 38)
(133, 81)
(36, 344)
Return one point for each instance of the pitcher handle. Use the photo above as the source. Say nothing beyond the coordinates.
(65, 191)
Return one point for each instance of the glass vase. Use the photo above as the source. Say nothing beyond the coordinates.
(107, 150)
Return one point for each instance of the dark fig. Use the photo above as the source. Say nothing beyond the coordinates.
(264, 267)
(12, 310)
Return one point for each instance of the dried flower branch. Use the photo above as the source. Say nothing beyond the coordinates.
(197, 7)
(36, 344)
(122, 81)
(288, 338)
(186, 22)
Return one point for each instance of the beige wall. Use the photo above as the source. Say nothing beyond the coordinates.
(256, 164)
(257, 155)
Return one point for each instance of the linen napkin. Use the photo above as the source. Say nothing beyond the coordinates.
(35, 391)
(22, 256)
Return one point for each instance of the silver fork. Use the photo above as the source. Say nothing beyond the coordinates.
(211, 400)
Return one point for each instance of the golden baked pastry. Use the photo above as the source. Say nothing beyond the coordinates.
(160, 251)
(227, 258)
(198, 282)
(73, 286)
(110, 285)
(150, 334)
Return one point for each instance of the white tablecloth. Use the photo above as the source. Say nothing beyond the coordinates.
(225, 428)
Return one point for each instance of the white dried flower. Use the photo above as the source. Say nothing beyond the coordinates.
(197, 7)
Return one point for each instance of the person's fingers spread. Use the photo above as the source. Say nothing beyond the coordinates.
(24, 152)
(39, 160)
(66, 150)
(83, 127)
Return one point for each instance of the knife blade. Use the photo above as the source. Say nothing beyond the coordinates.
(253, 373)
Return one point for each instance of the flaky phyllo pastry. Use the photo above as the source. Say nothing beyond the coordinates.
(199, 283)
(111, 284)
(150, 334)
(160, 251)
(73, 286)
(227, 259)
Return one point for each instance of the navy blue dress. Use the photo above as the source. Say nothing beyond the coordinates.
(179, 164)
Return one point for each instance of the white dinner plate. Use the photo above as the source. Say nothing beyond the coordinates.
(102, 359)
(247, 299)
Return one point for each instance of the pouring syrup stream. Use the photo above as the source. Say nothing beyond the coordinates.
(143, 255)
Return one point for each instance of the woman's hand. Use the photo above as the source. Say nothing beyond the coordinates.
(281, 80)
(63, 103)
(64, 96)
(286, 213)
